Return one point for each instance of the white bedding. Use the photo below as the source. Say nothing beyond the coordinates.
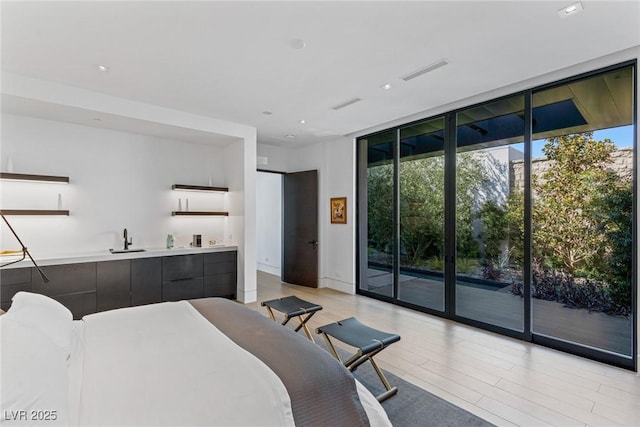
(162, 364)
(125, 366)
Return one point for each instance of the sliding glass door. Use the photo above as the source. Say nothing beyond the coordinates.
(515, 215)
(489, 213)
(376, 204)
(421, 188)
(582, 217)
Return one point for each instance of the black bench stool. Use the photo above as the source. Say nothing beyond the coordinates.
(293, 306)
(369, 342)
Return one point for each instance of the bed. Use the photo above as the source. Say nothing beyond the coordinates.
(202, 362)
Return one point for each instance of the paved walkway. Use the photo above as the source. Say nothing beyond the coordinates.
(599, 330)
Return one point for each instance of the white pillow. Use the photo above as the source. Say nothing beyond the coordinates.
(34, 389)
(45, 314)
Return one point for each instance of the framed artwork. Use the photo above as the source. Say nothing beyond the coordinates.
(338, 210)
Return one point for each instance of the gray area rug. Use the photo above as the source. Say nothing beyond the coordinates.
(412, 406)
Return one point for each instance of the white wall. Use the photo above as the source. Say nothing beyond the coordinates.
(123, 182)
(117, 180)
(269, 222)
(277, 158)
(240, 172)
(335, 162)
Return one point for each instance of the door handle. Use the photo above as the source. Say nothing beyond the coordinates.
(314, 243)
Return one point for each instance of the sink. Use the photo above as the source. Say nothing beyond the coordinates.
(125, 251)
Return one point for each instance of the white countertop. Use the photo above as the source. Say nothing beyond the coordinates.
(108, 256)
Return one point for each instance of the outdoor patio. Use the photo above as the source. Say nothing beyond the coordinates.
(501, 308)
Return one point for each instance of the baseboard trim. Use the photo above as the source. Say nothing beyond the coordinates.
(338, 285)
(248, 296)
(271, 269)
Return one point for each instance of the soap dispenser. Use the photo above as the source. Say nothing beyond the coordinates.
(169, 241)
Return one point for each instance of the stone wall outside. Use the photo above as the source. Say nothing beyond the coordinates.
(622, 164)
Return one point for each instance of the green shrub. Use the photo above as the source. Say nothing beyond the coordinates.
(494, 229)
(467, 265)
(435, 263)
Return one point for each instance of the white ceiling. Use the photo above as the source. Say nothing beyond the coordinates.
(47, 110)
(234, 60)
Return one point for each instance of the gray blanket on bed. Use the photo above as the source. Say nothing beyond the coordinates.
(322, 391)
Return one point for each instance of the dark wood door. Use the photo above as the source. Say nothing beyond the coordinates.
(300, 228)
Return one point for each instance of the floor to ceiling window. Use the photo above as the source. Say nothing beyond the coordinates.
(515, 215)
(378, 185)
(582, 190)
(421, 197)
(489, 213)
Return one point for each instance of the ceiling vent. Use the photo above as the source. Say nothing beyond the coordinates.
(425, 70)
(346, 104)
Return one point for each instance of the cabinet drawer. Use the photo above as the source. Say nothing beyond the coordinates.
(221, 262)
(13, 281)
(213, 257)
(181, 267)
(14, 276)
(8, 291)
(220, 285)
(79, 304)
(65, 279)
(182, 289)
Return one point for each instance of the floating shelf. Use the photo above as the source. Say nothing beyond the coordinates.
(34, 212)
(185, 187)
(29, 177)
(198, 213)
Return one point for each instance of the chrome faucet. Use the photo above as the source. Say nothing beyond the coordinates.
(127, 242)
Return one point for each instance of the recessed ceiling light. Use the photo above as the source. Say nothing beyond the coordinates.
(102, 68)
(298, 44)
(267, 113)
(290, 136)
(571, 10)
(302, 121)
(386, 86)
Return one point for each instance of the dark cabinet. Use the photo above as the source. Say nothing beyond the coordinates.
(220, 274)
(219, 262)
(85, 288)
(182, 289)
(182, 277)
(79, 304)
(146, 281)
(181, 267)
(74, 285)
(113, 284)
(65, 279)
(220, 285)
(13, 281)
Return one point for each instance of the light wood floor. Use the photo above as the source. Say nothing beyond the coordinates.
(503, 380)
